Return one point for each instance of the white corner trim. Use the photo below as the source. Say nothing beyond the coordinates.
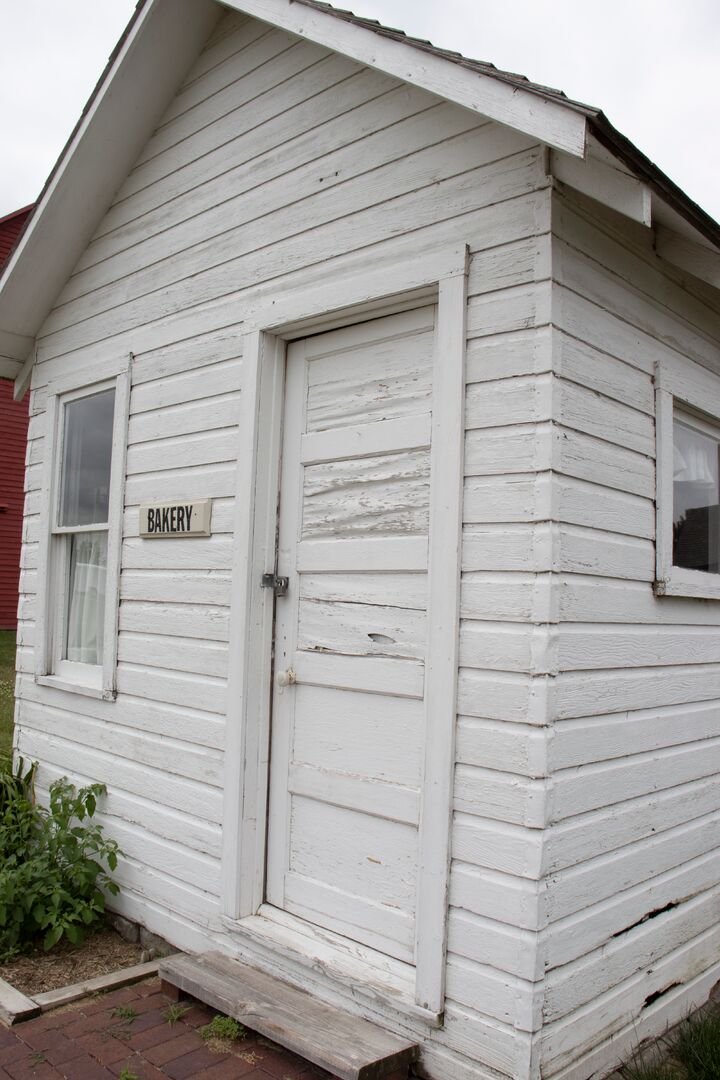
(549, 121)
(443, 619)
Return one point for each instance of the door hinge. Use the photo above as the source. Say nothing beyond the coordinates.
(279, 585)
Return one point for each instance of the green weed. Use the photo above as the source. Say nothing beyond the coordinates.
(125, 1012)
(223, 1027)
(692, 1053)
(175, 1012)
(698, 1047)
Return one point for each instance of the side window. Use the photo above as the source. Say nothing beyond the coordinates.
(84, 473)
(81, 525)
(688, 481)
(696, 493)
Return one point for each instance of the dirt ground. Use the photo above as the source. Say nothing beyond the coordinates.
(102, 952)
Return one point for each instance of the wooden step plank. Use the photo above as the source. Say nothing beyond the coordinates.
(15, 1006)
(346, 1045)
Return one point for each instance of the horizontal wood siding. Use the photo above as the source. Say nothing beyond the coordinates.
(277, 164)
(631, 855)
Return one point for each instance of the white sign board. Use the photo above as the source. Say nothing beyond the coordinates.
(175, 519)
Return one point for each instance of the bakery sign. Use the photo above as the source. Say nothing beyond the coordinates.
(163, 520)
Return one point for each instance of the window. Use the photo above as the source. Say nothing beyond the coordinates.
(696, 493)
(84, 474)
(688, 481)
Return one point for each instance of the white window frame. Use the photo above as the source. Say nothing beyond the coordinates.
(685, 385)
(93, 680)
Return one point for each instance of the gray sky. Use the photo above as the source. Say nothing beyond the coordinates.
(653, 66)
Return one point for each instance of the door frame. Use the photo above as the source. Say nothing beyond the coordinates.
(279, 317)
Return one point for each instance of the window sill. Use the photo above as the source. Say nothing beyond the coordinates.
(75, 688)
(694, 584)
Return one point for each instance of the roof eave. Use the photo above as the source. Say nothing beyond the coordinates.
(626, 152)
(158, 46)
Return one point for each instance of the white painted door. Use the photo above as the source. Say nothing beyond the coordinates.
(348, 726)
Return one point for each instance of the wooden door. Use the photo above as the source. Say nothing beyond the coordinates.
(348, 723)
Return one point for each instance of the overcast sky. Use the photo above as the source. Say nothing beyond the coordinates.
(653, 66)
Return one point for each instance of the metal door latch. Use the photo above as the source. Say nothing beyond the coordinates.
(279, 585)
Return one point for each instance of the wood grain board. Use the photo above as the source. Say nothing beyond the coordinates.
(345, 1045)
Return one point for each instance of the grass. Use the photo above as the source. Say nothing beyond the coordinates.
(126, 1013)
(7, 691)
(175, 1012)
(693, 1054)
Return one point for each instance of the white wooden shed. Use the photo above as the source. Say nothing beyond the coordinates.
(306, 299)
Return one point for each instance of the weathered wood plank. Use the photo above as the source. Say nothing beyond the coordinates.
(361, 629)
(387, 493)
(343, 730)
(345, 1045)
(15, 1006)
(373, 674)
(99, 984)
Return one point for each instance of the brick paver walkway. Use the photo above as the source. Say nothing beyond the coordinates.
(91, 1040)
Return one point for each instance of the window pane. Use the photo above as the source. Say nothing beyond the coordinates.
(696, 495)
(87, 448)
(86, 598)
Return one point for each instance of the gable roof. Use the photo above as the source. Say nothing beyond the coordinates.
(146, 68)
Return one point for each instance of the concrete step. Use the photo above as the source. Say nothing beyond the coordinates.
(346, 1045)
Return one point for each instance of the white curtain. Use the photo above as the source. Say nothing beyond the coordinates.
(696, 457)
(86, 602)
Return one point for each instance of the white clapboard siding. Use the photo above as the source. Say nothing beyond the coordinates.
(200, 800)
(506, 597)
(634, 790)
(600, 877)
(160, 821)
(502, 897)
(493, 744)
(445, 200)
(612, 918)
(583, 598)
(600, 738)
(211, 379)
(211, 257)
(188, 725)
(571, 842)
(488, 942)
(211, 587)
(392, 115)
(577, 791)
(194, 762)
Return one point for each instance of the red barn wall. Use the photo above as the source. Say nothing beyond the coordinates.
(13, 437)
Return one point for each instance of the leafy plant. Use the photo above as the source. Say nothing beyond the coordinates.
(126, 1074)
(223, 1027)
(175, 1012)
(52, 862)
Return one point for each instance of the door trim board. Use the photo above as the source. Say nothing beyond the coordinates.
(265, 331)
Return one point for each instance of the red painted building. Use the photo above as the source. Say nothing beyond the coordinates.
(13, 438)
